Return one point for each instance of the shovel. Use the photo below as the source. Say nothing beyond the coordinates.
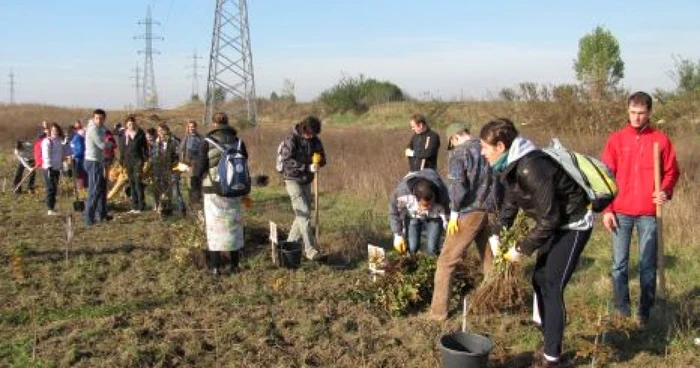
(78, 205)
(26, 176)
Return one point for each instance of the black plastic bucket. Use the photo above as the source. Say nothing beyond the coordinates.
(465, 350)
(290, 254)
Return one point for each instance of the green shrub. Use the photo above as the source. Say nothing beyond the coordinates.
(358, 94)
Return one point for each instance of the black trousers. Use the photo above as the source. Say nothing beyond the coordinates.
(51, 179)
(553, 271)
(215, 259)
(135, 175)
(19, 174)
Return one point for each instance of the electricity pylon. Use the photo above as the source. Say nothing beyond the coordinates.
(231, 60)
(138, 87)
(12, 87)
(195, 76)
(149, 96)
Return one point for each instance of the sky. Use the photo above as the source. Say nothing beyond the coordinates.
(83, 53)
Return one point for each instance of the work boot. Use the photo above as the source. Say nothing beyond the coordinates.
(235, 260)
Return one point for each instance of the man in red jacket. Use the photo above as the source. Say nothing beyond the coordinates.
(629, 153)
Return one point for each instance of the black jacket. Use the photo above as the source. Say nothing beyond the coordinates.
(421, 151)
(209, 155)
(543, 190)
(296, 152)
(136, 151)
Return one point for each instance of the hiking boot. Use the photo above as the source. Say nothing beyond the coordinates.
(641, 322)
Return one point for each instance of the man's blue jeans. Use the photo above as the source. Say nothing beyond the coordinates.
(96, 206)
(433, 230)
(646, 232)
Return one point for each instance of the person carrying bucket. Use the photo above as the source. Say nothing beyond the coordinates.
(538, 186)
(301, 154)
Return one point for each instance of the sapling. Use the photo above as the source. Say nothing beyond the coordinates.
(502, 288)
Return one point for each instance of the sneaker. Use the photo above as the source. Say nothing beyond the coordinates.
(315, 255)
(540, 361)
(52, 213)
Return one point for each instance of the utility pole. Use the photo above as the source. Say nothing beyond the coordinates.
(137, 86)
(12, 87)
(231, 60)
(194, 95)
(149, 96)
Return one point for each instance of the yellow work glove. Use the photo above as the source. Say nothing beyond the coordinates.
(247, 202)
(316, 158)
(513, 256)
(399, 244)
(452, 227)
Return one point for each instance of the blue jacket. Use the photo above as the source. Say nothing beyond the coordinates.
(469, 177)
(77, 145)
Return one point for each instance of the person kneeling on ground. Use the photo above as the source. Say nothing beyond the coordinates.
(223, 216)
(540, 187)
(418, 204)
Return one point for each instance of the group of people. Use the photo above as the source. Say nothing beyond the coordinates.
(157, 159)
(493, 176)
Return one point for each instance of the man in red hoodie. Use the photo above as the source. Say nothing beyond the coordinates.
(629, 153)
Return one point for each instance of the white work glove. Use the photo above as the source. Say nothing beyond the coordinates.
(409, 152)
(513, 256)
(495, 244)
(313, 168)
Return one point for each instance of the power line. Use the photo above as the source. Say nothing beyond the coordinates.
(149, 95)
(231, 59)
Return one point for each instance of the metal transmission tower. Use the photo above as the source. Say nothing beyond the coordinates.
(231, 59)
(194, 95)
(149, 96)
(12, 87)
(138, 87)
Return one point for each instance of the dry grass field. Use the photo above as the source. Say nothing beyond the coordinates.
(121, 299)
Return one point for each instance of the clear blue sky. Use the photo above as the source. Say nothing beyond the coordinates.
(82, 53)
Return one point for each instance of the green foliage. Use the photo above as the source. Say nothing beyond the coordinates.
(687, 75)
(599, 65)
(680, 105)
(358, 94)
(406, 286)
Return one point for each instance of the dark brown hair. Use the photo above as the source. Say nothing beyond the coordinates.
(639, 98)
(499, 130)
(310, 125)
(220, 118)
(419, 119)
(423, 190)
